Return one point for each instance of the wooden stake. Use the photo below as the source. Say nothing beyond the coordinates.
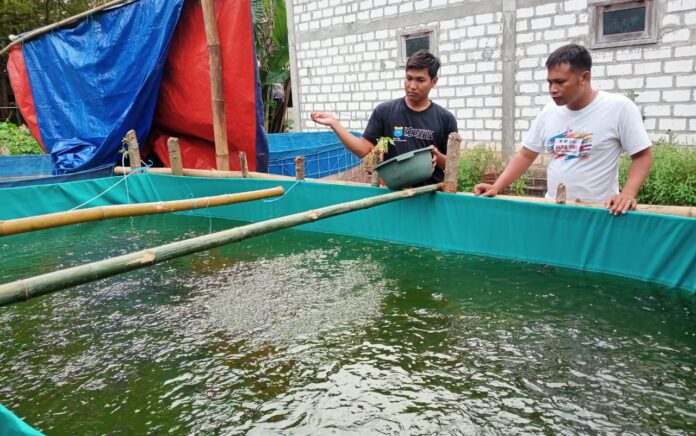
(222, 158)
(47, 221)
(24, 289)
(452, 164)
(243, 164)
(175, 156)
(133, 149)
(299, 167)
(374, 175)
(561, 194)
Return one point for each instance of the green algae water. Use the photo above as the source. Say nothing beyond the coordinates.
(303, 333)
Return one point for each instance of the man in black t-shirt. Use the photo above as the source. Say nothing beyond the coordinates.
(413, 121)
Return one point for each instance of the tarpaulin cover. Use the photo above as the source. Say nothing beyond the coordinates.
(651, 247)
(323, 152)
(184, 108)
(10, 424)
(92, 83)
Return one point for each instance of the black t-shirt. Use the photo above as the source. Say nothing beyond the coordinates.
(411, 130)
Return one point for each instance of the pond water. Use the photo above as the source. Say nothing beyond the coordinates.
(302, 333)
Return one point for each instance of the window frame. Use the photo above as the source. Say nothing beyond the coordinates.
(599, 7)
(429, 31)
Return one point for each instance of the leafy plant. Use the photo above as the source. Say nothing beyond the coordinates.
(518, 186)
(475, 164)
(18, 140)
(379, 149)
(672, 179)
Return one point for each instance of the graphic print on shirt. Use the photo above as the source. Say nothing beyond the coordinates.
(398, 131)
(570, 144)
(402, 133)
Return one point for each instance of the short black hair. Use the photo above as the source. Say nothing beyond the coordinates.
(576, 55)
(423, 59)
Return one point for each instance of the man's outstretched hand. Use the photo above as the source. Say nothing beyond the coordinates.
(323, 118)
(485, 190)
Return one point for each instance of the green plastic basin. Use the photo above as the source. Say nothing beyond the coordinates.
(406, 169)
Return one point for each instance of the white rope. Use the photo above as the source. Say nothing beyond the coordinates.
(111, 187)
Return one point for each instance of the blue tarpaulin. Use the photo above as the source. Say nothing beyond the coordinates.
(323, 152)
(93, 83)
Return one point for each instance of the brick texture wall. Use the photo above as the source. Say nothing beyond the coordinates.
(346, 61)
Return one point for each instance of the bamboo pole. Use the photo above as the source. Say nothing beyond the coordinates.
(683, 211)
(452, 164)
(40, 222)
(243, 164)
(24, 289)
(222, 158)
(299, 168)
(175, 156)
(45, 29)
(205, 173)
(133, 149)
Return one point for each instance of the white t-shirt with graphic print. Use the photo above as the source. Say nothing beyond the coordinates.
(586, 145)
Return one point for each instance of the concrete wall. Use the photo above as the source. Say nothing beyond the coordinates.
(344, 60)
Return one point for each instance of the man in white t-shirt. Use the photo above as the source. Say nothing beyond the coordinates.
(585, 131)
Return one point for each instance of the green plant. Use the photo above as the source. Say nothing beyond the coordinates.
(18, 140)
(379, 149)
(517, 187)
(672, 179)
(475, 165)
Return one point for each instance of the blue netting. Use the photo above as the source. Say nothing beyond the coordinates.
(323, 152)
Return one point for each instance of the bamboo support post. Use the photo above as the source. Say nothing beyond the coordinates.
(40, 222)
(133, 149)
(452, 164)
(222, 158)
(243, 164)
(175, 157)
(45, 29)
(43, 284)
(299, 167)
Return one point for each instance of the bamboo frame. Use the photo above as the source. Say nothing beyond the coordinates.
(222, 158)
(43, 284)
(40, 222)
(45, 29)
(683, 211)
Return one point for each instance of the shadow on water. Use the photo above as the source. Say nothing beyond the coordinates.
(306, 333)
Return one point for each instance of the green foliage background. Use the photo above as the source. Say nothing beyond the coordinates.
(17, 140)
(672, 178)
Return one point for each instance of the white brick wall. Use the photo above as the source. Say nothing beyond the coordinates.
(345, 68)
